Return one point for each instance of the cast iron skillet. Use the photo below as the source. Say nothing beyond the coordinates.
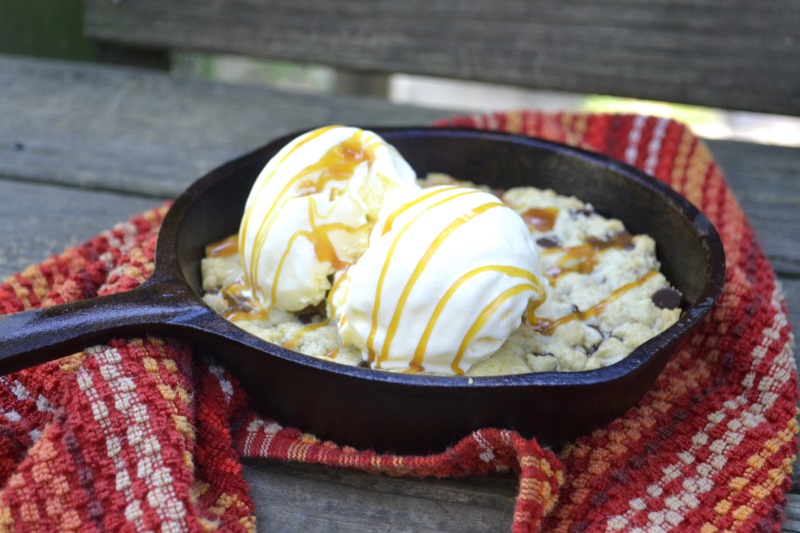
(389, 411)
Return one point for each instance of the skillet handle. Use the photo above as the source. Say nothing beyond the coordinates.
(29, 338)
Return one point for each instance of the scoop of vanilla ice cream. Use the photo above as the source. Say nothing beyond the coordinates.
(446, 278)
(310, 212)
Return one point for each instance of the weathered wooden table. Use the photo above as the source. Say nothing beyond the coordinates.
(83, 147)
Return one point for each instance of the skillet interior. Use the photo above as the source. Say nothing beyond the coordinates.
(420, 414)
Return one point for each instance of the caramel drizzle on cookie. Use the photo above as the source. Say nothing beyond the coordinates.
(546, 326)
(584, 257)
(540, 218)
(225, 247)
(292, 343)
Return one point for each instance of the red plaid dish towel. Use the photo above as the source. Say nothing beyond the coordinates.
(136, 435)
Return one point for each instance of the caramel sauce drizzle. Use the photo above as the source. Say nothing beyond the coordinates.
(225, 247)
(484, 317)
(584, 257)
(335, 286)
(319, 236)
(337, 164)
(370, 344)
(246, 219)
(240, 307)
(534, 284)
(533, 306)
(420, 267)
(291, 343)
(541, 218)
(546, 326)
(387, 226)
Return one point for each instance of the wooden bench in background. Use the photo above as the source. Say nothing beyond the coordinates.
(734, 55)
(117, 140)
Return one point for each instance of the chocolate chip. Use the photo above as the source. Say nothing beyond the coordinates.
(586, 211)
(594, 327)
(548, 242)
(574, 308)
(306, 316)
(667, 298)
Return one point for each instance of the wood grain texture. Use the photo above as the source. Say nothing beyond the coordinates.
(736, 54)
(38, 220)
(791, 289)
(766, 180)
(301, 497)
(336, 501)
(147, 133)
(792, 508)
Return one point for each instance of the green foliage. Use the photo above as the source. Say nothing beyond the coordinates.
(44, 28)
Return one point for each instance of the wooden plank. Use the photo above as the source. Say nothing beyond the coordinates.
(736, 54)
(134, 130)
(300, 497)
(765, 181)
(361, 83)
(43, 220)
(340, 501)
(791, 289)
(792, 508)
